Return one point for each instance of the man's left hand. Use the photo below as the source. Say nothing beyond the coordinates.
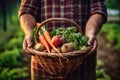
(92, 41)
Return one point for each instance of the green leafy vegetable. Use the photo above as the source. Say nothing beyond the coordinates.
(71, 35)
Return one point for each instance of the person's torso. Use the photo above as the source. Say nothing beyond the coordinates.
(76, 10)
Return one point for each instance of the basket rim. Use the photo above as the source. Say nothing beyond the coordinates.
(54, 55)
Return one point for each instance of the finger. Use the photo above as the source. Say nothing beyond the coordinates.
(29, 41)
(25, 46)
(91, 40)
(30, 44)
(95, 45)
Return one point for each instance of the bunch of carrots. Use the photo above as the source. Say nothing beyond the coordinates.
(45, 39)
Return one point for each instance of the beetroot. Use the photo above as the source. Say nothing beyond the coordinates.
(56, 41)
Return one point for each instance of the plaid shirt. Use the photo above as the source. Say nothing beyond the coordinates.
(77, 10)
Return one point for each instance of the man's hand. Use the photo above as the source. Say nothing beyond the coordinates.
(27, 23)
(92, 41)
(93, 27)
(28, 43)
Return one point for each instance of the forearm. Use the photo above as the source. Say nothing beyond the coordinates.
(27, 23)
(94, 24)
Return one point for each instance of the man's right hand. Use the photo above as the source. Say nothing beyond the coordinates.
(28, 43)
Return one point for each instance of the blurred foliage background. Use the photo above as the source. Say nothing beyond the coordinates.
(14, 65)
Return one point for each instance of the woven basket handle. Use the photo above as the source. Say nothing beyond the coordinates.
(58, 19)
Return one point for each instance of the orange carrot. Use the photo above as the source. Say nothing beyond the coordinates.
(44, 42)
(48, 39)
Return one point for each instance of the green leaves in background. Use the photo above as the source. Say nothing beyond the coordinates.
(11, 58)
(13, 74)
(113, 4)
(112, 33)
(101, 74)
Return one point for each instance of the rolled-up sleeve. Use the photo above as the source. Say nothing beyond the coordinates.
(29, 7)
(98, 6)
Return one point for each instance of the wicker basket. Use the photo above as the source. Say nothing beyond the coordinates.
(51, 62)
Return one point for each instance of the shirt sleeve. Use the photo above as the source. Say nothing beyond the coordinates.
(30, 7)
(98, 6)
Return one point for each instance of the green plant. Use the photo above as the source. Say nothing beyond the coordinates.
(101, 74)
(13, 74)
(10, 58)
(112, 33)
(16, 41)
(114, 4)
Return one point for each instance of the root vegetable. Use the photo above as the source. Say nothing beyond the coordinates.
(67, 47)
(44, 42)
(39, 47)
(48, 39)
(56, 41)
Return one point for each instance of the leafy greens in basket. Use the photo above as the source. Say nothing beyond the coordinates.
(70, 34)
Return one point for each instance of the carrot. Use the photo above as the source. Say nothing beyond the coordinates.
(44, 42)
(48, 39)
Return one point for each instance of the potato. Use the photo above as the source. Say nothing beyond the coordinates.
(67, 47)
(39, 47)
